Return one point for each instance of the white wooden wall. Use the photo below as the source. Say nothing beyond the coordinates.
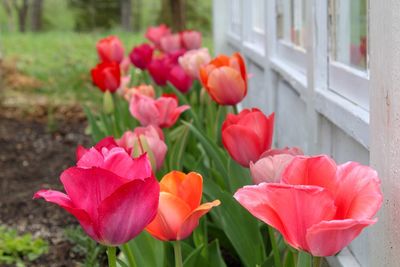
(324, 108)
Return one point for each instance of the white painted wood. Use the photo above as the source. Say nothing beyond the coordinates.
(385, 128)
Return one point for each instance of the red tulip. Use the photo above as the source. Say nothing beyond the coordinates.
(162, 112)
(154, 146)
(154, 34)
(179, 210)
(113, 196)
(318, 206)
(247, 135)
(110, 49)
(272, 163)
(107, 76)
(141, 56)
(191, 39)
(178, 78)
(159, 69)
(225, 79)
(170, 43)
(171, 95)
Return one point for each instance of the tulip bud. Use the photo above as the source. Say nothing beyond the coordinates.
(108, 103)
(141, 146)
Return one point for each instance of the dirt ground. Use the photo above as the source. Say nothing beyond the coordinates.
(31, 158)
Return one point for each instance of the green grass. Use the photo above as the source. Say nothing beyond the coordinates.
(62, 60)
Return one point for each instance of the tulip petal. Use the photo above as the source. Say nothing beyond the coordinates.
(79, 152)
(108, 142)
(87, 188)
(226, 85)
(303, 207)
(188, 187)
(192, 221)
(263, 126)
(126, 212)
(328, 237)
(65, 202)
(122, 164)
(318, 170)
(242, 144)
(172, 212)
(92, 158)
(269, 169)
(358, 195)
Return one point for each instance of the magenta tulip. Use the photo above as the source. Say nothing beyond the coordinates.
(113, 196)
(178, 78)
(154, 146)
(159, 69)
(272, 163)
(318, 207)
(110, 49)
(141, 56)
(247, 135)
(162, 112)
(191, 39)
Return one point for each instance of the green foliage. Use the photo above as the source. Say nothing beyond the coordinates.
(18, 249)
(85, 246)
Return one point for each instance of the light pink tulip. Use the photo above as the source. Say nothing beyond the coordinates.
(162, 112)
(143, 89)
(154, 138)
(193, 60)
(271, 164)
(170, 43)
(318, 206)
(113, 196)
(155, 33)
(191, 39)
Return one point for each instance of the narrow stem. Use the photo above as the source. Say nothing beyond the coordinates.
(235, 109)
(112, 257)
(275, 249)
(129, 255)
(317, 261)
(178, 254)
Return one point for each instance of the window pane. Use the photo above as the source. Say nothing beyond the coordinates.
(349, 33)
(257, 14)
(291, 18)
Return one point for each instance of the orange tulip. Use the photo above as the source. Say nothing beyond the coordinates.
(179, 208)
(225, 79)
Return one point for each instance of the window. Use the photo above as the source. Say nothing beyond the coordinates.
(348, 57)
(291, 17)
(254, 28)
(235, 18)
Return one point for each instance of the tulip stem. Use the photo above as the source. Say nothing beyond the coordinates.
(317, 261)
(275, 249)
(178, 254)
(112, 257)
(235, 109)
(129, 255)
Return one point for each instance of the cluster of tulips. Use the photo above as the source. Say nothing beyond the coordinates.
(311, 206)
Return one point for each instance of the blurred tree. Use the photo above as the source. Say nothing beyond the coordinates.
(22, 10)
(137, 15)
(126, 14)
(173, 13)
(9, 13)
(37, 15)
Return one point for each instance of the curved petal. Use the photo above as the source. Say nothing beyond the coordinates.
(192, 221)
(237, 62)
(107, 142)
(92, 158)
(126, 212)
(262, 126)
(269, 169)
(294, 151)
(226, 85)
(316, 170)
(79, 152)
(359, 195)
(172, 212)
(291, 209)
(87, 188)
(65, 202)
(242, 144)
(143, 108)
(329, 237)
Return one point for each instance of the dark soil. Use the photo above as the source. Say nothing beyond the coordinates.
(32, 158)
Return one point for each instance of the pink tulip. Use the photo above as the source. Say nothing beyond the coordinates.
(124, 66)
(193, 60)
(154, 34)
(113, 196)
(170, 43)
(191, 39)
(247, 135)
(143, 89)
(271, 164)
(318, 206)
(162, 112)
(154, 139)
(178, 78)
(110, 49)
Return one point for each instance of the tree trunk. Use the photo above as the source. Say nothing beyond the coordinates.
(8, 10)
(137, 15)
(37, 11)
(126, 14)
(178, 14)
(22, 11)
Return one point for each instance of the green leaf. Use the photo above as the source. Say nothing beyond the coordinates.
(97, 133)
(304, 259)
(214, 257)
(238, 175)
(194, 258)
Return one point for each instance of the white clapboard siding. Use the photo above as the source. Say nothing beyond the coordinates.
(324, 107)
